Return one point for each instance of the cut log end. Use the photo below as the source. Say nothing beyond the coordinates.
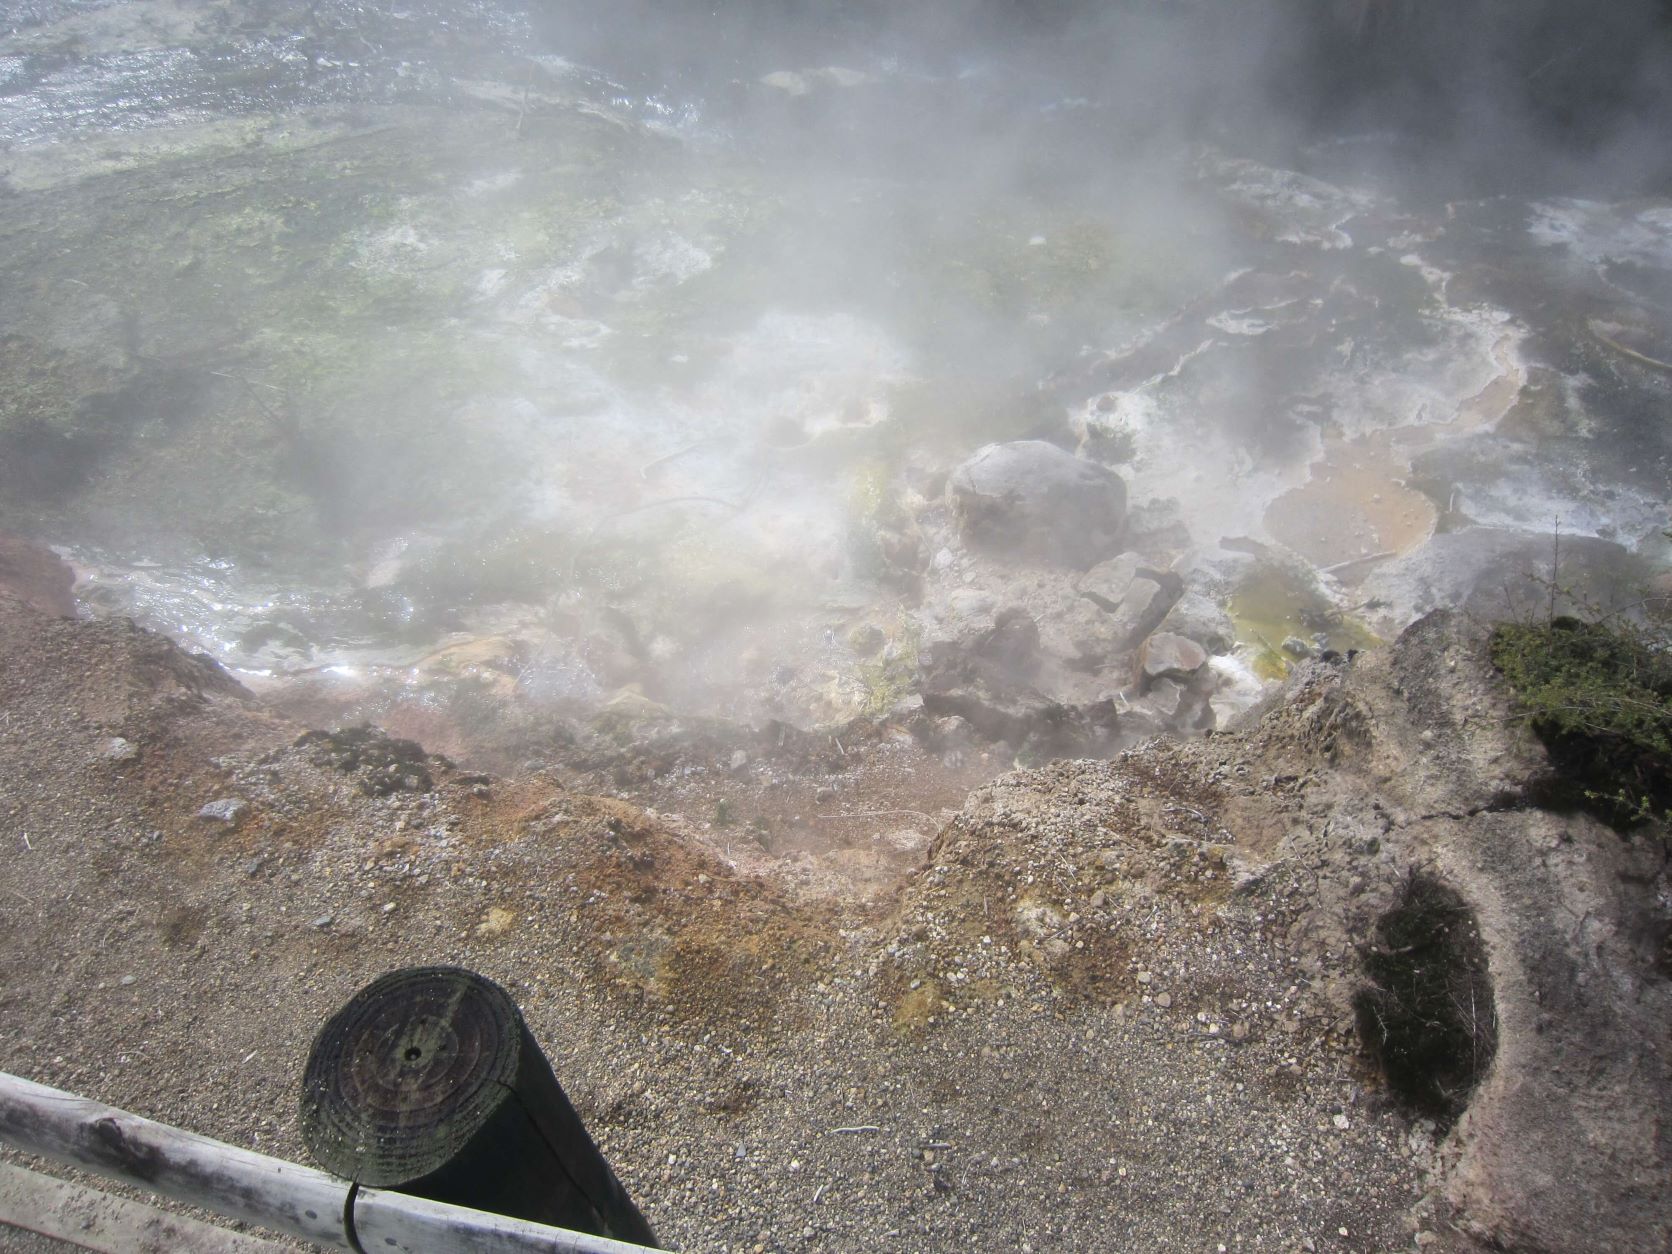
(405, 1075)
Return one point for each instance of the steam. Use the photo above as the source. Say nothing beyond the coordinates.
(647, 371)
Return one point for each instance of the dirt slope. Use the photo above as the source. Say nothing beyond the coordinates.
(1111, 1009)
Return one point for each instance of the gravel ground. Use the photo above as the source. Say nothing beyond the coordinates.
(1089, 1017)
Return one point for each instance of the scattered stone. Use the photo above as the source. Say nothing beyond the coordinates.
(116, 749)
(1341, 1122)
(1294, 646)
(228, 810)
(739, 760)
(323, 921)
(1164, 1000)
(1031, 498)
(127, 981)
(497, 923)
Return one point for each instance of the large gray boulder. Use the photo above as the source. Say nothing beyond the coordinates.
(1492, 574)
(1030, 498)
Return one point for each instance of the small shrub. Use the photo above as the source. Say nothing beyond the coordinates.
(1427, 1016)
(1599, 696)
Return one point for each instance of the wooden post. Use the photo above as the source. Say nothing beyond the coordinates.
(428, 1082)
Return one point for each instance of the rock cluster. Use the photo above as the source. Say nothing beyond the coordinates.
(1051, 623)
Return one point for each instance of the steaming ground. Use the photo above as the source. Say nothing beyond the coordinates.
(510, 376)
(585, 399)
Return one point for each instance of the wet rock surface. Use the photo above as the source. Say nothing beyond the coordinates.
(1494, 574)
(1030, 498)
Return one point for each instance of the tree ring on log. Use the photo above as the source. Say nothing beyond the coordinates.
(402, 1078)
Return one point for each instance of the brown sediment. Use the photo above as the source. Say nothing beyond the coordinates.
(1357, 507)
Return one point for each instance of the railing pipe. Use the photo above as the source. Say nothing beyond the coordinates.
(266, 1192)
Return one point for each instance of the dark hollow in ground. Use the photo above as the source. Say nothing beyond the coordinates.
(1427, 1016)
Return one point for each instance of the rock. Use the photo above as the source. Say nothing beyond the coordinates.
(1491, 574)
(739, 759)
(37, 576)
(1198, 617)
(1168, 700)
(1106, 583)
(228, 810)
(1021, 716)
(1659, 600)
(1073, 631)
(972, 626)
(323, 921)
(1030, 498)
(1294, 646)
(382, 764)
(1174, 656)
(1164, 1000)
(1140, 612)
(116, 749)
(866, 639)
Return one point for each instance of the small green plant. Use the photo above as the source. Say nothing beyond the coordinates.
(1599, 695)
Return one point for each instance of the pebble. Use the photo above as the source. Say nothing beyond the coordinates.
(324, 920)
(739, 760)
(1164, 1000)
(127, 981)
(225, 810)
(1342, 1123)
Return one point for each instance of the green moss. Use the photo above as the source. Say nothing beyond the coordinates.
(1600, 697)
